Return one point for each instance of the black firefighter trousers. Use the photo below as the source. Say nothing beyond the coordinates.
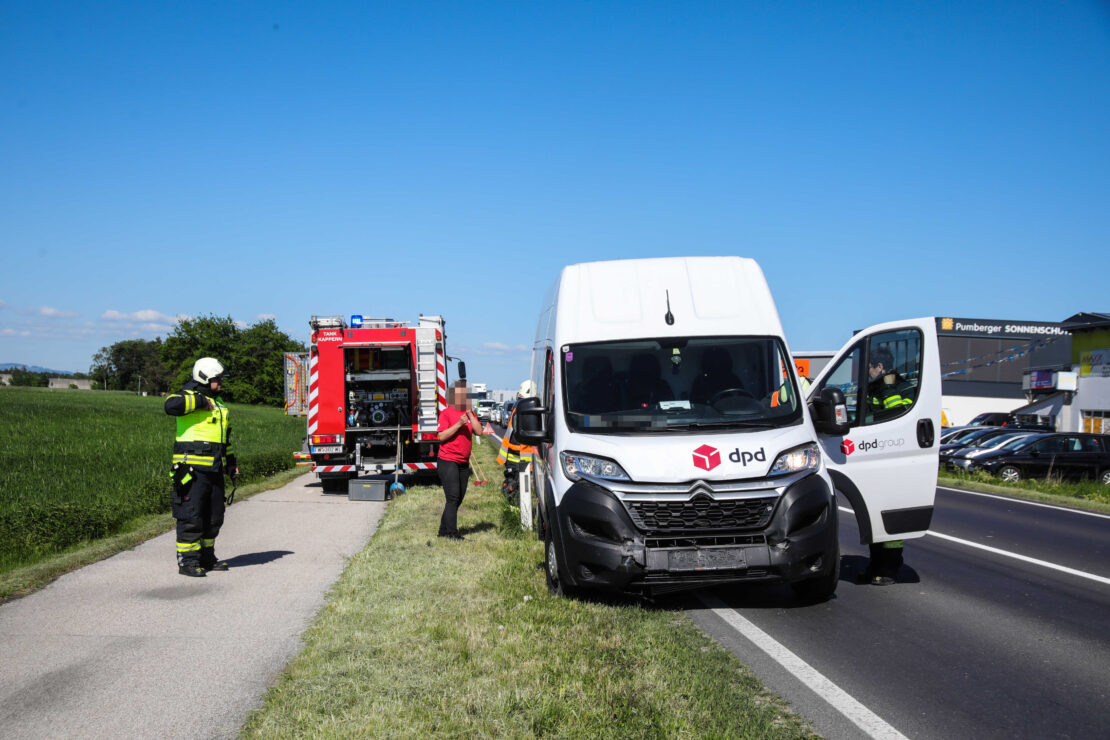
(198, 507)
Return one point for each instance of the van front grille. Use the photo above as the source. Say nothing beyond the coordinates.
(701, 513)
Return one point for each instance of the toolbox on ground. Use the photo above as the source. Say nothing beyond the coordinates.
(368, 489)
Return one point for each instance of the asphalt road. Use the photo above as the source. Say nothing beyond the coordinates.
(128, 648)
(969, 644)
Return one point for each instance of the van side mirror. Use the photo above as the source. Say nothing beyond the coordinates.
(462, 370)
(830, 412)
(531, 422)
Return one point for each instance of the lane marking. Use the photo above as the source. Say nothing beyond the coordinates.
(872, 724)
(1023, 501)
(1014, 555)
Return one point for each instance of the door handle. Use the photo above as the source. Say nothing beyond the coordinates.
(925, 434)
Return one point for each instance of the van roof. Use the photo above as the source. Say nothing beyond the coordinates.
(708, 296)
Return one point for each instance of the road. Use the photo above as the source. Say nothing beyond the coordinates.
(971, 643)
(128, 648)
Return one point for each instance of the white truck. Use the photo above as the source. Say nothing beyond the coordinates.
(676, 449)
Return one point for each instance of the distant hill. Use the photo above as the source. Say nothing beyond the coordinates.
(5, 366)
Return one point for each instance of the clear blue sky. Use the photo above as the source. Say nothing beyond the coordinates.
(880, 160)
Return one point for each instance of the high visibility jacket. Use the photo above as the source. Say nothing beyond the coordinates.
(888, 397)
(512, 452)
(203, 440)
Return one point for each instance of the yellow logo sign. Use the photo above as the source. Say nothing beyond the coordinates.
(947, 324)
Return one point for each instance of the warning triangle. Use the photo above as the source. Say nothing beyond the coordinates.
(487, 429)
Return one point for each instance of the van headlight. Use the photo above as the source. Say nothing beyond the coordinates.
(806, 457)
(576, 465)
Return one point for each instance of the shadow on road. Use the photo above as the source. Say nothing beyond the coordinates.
(257, 558)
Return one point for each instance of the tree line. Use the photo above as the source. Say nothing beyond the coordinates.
(253, 356)
(29, 378)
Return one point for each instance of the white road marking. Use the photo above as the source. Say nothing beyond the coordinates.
(1014, 555)
(1027, 503)
(872, 724)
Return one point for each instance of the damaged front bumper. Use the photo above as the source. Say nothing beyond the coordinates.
(669, 545)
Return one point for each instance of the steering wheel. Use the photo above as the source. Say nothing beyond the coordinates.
(729, 392)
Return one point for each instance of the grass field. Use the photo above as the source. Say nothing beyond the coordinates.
(79, 465)
(1090, 495)
(427, 637)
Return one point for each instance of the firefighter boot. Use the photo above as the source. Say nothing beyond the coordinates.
(208, 559)
(187, 564)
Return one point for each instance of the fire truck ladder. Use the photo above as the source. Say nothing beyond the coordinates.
(426, 358)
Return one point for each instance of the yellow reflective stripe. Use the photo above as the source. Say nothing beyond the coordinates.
(209, 543)
(188, 458)
(897, 544)
(188, 546)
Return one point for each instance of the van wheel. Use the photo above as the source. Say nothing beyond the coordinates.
(1010, 474)
(555, 584)
(822, 587)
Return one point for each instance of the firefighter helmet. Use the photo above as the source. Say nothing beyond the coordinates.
(207, 369)
(527, 389)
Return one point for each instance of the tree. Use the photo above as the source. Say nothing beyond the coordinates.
(252, 356)
(23, 376)
(123, 363)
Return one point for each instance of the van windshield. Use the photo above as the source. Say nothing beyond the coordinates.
(677, 383)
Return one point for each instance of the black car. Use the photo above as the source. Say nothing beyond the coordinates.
(961, 459)
(992, 419)
(1073, 456)
(964, 441)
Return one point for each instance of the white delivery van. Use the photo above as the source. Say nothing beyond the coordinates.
(676, 451)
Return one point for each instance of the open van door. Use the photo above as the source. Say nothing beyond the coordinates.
(886, 466)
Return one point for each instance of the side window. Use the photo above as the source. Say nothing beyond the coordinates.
(548, 380)
(893, 374)
(1050, 445)
(845, 376)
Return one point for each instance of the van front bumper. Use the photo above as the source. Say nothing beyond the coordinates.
(603, 548)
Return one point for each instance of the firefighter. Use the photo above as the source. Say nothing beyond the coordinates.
(202, 453)
(515, 457)
(888, 395)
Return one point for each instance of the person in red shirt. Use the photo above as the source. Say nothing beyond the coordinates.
(457, 426)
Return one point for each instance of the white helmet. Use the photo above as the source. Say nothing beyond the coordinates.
(527, 389)
(207, 369)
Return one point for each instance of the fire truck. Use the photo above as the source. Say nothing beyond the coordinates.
(371, 391)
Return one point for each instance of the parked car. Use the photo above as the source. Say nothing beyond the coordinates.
(977, 441)
(507, 411)
(1072, 456)
(962, 459)
(954, 433)
(992, 419)
(959, 442)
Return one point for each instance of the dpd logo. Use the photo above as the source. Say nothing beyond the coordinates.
(847, 447)
(706, 457)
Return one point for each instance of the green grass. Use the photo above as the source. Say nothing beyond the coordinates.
(77, 466)
(1088, 495)
(425, 637)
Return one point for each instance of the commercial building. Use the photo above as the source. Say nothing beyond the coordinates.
(1074, 396)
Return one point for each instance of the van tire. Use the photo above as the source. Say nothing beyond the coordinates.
(552, 571)
(821, 588)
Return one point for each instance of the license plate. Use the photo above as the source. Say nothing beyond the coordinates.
(715, 558)
(328, 450)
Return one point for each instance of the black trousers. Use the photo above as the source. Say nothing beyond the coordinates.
(885, 561)
(198, 507)
(454, 477)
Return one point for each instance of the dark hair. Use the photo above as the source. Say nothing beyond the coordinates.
(881, 356)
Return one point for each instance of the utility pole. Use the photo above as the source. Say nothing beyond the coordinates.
(140, 391)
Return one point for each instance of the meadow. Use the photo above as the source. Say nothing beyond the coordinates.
(76, 466)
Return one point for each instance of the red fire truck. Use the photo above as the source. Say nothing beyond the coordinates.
(372, 392)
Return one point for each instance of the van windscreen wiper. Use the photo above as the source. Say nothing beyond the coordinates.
(724, 423)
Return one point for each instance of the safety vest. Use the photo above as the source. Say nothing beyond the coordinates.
(203, 435)
(513, 453)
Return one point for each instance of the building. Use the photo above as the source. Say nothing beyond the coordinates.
(82, 384)
(5, 378)
(983, 362)
(1074, 396)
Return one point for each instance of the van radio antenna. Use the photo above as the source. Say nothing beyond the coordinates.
(669, 317)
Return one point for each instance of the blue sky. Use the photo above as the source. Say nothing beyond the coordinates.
(880, 160)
